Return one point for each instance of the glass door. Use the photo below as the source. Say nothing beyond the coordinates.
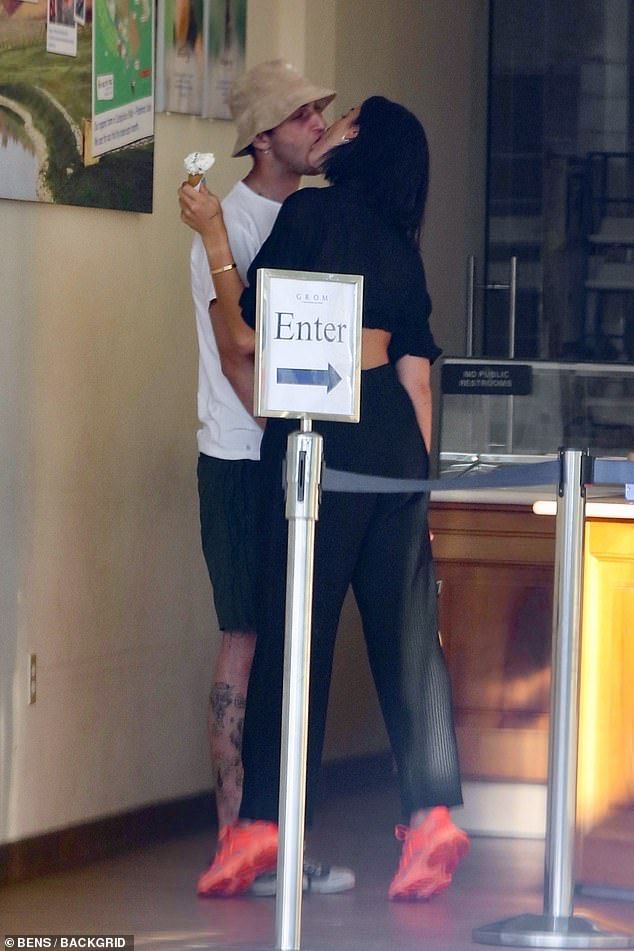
(558, 279)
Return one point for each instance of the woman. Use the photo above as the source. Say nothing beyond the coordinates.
(367, 222)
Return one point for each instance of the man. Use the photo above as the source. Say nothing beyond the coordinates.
(278, 115)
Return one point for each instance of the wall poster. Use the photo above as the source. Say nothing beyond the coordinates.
(200, 53)
(123, 106)
(57, 81)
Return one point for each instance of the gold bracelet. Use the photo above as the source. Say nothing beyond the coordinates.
(221, 270)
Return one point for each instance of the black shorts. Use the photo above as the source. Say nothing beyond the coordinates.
(228, 492)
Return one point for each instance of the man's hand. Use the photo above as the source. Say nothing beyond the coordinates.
(201, 210)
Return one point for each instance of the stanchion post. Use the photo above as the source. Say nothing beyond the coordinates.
(303, 475)
(557, 927)
(564, 694)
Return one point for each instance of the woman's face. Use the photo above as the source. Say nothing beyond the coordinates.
(342, 131)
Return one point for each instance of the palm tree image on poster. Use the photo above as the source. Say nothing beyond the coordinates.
(45, 118)
(200, 53)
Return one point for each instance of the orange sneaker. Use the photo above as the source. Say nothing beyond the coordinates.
(430, 856)
(244, 851)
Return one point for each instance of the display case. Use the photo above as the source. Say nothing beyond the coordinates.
(496, 557)
(507, 411)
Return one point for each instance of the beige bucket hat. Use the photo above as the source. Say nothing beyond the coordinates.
(267, 95)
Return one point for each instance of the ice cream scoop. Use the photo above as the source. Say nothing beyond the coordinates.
(196, 164)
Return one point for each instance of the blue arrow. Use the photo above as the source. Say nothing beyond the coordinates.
(328, 378)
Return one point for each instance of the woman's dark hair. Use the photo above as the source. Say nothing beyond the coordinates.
(390, 159)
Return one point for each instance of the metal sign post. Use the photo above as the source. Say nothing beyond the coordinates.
(303, 471)
(558, 927)
(308, 367)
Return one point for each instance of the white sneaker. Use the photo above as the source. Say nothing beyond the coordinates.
(318, 878)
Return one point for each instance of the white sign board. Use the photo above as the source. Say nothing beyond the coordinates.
(308, 353)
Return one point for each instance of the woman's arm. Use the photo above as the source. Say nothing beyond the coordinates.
(414, 375)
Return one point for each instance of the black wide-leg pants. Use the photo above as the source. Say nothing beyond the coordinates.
(379, 544)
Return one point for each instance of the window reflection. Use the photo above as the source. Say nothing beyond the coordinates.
(561, 179)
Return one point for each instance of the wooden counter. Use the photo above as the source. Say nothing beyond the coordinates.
(605, 798)
(496, 562)
(496, 566)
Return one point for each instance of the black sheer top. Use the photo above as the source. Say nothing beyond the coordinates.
(336, 230)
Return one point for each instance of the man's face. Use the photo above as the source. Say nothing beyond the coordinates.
(292, 140)
(343, 130)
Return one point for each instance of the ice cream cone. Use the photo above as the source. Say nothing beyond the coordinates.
(196, 164)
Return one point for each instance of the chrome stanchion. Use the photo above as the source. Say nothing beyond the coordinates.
(558, 927)
(303, 473)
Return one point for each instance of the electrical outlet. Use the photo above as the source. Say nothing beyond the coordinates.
(32, 679)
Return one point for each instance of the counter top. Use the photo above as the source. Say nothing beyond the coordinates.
(611, 508)
(545, 497)
(525, 497)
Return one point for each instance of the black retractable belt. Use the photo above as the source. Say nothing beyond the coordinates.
(513, 476)
(527, 475)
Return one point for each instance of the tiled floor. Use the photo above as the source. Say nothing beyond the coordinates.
(150, 893)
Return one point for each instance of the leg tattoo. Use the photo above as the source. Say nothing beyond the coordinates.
(226, 724)
(220, 699)
(227, 703)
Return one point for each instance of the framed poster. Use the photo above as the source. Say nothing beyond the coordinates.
(46, 113)
(200, 53)
(123, 77)
(181, 58)
(226, 44)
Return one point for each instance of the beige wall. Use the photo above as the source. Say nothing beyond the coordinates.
(430, 55)
(101, 574)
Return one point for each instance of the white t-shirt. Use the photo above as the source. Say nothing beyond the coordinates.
(227, 430)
